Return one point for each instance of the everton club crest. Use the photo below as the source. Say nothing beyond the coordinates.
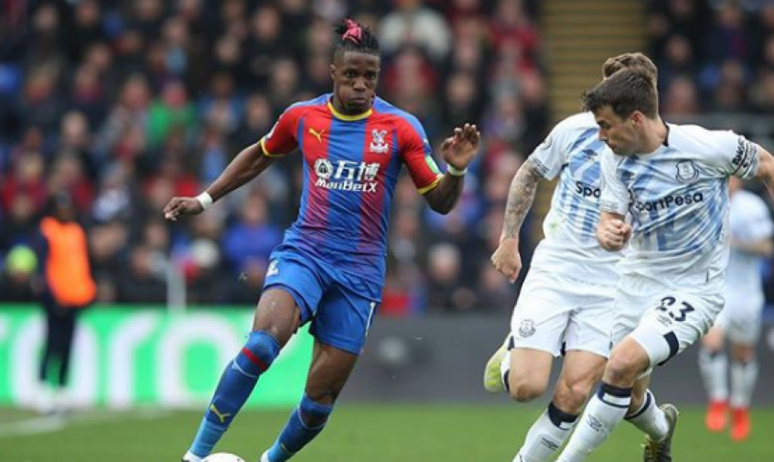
(686, 171)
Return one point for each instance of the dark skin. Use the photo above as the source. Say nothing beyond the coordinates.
(355, 76)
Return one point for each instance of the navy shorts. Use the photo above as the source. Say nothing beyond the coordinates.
(339, 306)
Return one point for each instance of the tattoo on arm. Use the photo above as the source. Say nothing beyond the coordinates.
(521, 196)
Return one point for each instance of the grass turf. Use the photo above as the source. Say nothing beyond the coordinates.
(382, 433)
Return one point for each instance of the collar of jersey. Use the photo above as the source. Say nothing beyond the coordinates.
(348, 118)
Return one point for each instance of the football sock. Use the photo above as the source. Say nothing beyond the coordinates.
(603, 413)
(236, 384)
(650, 419)
(546, 435)
(713, 365)
(743, 378)
(305, 422)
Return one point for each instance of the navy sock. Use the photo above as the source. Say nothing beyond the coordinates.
(235, 386)
(306, 421)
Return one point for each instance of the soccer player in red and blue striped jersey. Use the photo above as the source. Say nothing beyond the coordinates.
(329, 270)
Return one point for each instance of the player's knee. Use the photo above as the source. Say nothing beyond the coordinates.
(523, 389)
(743, 354)
(623, 368)
(313, 414)
(258, 353)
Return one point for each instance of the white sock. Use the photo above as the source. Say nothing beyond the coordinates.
(650, 419)
(546, 435)
(743, 378)
(713, 367)
(603, 413)
(191, 457)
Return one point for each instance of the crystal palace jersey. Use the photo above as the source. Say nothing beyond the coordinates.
(677, 197)
(350, 169)
(570, 247)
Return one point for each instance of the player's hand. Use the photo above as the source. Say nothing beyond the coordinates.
(506, 259)
(459, 149)
(614, 234)
(178, 206)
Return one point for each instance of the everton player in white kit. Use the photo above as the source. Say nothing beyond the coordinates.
(566, 301)
(672, 180)
(751, 230)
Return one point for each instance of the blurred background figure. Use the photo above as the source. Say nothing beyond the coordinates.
(740, 321)
(68, 288)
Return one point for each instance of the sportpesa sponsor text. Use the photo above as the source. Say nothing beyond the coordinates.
(661, 204)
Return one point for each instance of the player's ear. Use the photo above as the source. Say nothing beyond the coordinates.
(333, 71)
(637, 118)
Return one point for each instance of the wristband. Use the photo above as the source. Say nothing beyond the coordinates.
(205, 200)
(451, 170)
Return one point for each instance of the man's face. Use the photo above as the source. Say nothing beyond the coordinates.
(619, 134)
(355, 76)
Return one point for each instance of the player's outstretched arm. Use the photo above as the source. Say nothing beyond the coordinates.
(458, 151)
(763, 247)
(613, 232)
(248, 164)
(521, 195)
(766, 170)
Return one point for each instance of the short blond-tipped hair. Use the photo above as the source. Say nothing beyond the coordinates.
(636, 62)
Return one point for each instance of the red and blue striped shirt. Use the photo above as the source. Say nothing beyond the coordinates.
(351, 167)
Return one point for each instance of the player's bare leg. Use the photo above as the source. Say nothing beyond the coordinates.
(527, 373)
(609, 406)
(744, 374)
(580, 373)
(713, 365)
(328, 373)
(276, 319)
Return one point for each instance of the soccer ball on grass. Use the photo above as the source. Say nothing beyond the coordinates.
(223, 457)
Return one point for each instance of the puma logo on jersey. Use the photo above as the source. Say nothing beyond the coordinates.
(221, 417)
(317, 134)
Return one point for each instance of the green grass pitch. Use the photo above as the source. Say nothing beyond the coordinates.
(381, 433)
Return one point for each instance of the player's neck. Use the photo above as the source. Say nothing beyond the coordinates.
(656, 135)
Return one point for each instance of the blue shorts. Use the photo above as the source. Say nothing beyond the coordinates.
(340, 307)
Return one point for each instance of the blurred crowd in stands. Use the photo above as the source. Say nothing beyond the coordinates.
(123, 104)
(713, 55)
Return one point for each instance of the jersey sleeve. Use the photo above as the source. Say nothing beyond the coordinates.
(417, 153)
(281, 139)
(734, 154)
(551, 154)
(614, 197)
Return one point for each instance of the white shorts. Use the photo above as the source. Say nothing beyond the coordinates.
(664, 320)
(741, 319)
(555, 314)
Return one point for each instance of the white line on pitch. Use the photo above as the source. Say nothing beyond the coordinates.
(51, 424)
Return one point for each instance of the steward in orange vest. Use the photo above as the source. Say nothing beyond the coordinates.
(69, 284)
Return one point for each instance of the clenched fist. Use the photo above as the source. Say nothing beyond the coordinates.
(613, 234)
(507, 259)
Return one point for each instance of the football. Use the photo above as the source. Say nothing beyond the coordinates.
(223, 457)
